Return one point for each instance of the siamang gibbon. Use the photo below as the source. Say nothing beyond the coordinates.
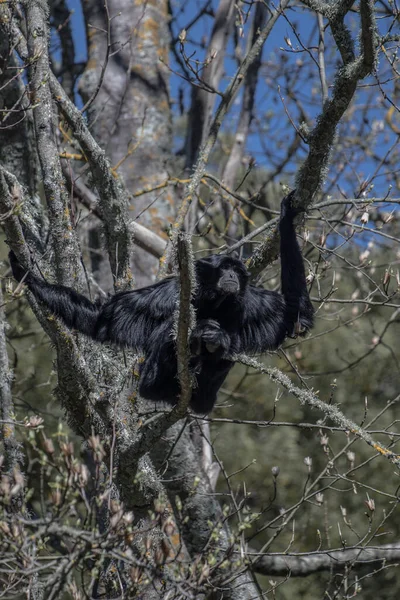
(232, 317)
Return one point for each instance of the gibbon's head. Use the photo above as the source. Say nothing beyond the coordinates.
(220, 277)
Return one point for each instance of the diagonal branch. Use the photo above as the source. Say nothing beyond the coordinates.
(141, 235)
(79, 383)
(321, 139)
(113, 198)
(308, 398)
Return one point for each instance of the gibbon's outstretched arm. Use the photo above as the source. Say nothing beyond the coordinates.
(271, 316)
(132, 319)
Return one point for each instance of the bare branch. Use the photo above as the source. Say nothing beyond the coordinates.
(187, 285)
(246, 114)
(327, 560)
(321, 58)
(141, 235)
(113, 199)
(65, 247)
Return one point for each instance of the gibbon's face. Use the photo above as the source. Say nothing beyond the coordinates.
(221, 276)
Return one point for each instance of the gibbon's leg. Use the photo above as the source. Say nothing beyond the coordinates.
(209, 380)
(158, 375)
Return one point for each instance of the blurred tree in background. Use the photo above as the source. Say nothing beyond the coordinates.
(121, 125)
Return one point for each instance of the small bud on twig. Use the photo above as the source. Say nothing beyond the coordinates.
(275, 471)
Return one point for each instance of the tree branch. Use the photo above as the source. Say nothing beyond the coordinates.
(233, 164)
(187, 285)
(202, 97)
(326, 560)
(65, 247)
(113, 198)
(141, 236)
(321, 139)
(204, 526)
(13, 457)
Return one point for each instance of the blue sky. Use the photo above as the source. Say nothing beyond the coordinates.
(269, 104)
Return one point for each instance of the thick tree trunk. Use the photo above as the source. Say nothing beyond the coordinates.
(130, 115)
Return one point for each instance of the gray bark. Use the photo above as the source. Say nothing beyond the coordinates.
(64, 244)
(177, 458)
(13, 457)
(17, 149)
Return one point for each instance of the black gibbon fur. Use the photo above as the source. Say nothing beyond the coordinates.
(232, 317)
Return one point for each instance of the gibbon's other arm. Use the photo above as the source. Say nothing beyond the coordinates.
(128, 318)
(299, 312)
(270, 316)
